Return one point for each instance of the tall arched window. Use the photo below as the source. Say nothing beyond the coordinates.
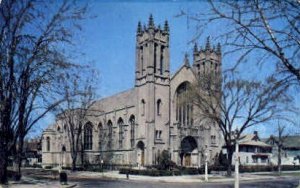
(158, 107)
(101, 136)
(110, 131)
(88, 137)
(132, 130)
(161, 60)
(121, 126)
(184, 108)
(143, 106)
(48, 143)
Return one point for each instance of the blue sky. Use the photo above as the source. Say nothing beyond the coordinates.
(108, 40)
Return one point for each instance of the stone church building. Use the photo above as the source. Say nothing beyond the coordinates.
(136, 125)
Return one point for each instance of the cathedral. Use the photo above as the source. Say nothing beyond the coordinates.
(136, 125)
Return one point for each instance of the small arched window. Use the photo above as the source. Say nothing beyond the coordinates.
(110, 131)
(132, 130)
(120, 125)
(88, 136)
(143, 106)
(58, 128)
(101, 136)
(158, 107)
(48, 143)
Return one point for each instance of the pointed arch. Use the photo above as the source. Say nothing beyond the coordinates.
(143, 103)
(110, 132)
(121, 127)
(48, 143)
(101, 136)
(88, 136)
(158, 107)
(132, 130)
(184, 108)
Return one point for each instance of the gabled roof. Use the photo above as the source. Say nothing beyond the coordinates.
(252, 140)
(184, 65)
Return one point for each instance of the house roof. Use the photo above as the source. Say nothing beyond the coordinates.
(255, 143)
(289, 141)
(252, 140)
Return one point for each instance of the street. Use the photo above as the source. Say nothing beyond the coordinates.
(290, 182)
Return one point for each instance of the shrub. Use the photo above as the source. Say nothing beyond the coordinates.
(37, 166)
(148, 172)
(66, 168)
(165, 163)
(48, 167)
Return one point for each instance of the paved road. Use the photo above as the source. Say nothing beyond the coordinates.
(278, 183)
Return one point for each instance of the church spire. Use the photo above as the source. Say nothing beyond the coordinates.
(139, 28)
(195, 48)
(219, 48)
(166, 27)
(207, 46)
(186, 60)
(151, 22)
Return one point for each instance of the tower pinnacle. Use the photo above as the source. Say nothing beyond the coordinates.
(139, 28)
(186, 60)
(166, 27)
(195, 48)
(207, 46)
(151, 22)
(219, 48)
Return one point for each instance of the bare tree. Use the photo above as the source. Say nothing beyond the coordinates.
(280, 140)
(266, 30)
(33, 38)
(74, 113)
(236, 104)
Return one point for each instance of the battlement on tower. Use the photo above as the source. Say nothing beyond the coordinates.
(151, 28)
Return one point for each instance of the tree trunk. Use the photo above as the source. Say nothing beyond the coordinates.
(229, 160)
(74, 159)
(17, 167)
(3, 164)
(17, 163)
(279, 160)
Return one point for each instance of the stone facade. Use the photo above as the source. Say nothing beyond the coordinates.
(135, 126)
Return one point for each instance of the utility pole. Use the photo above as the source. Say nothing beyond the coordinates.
(206, 170)
(236, 179)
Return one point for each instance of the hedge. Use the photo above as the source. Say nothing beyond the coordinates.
(256, 168)
(193, 171)
(156, 172)
(149, 172)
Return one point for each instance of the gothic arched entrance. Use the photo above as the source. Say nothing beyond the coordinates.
(189, 151)
(140, 153)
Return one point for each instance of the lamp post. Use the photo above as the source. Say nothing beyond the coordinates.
(206, 170)
(236, 171)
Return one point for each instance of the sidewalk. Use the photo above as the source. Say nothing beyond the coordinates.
(169, 179)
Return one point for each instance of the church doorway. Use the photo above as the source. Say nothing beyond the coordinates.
(189, 151)
(140, 153)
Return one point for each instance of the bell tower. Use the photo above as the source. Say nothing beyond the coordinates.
(207, 60)
(152, 54)
(152, 83)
